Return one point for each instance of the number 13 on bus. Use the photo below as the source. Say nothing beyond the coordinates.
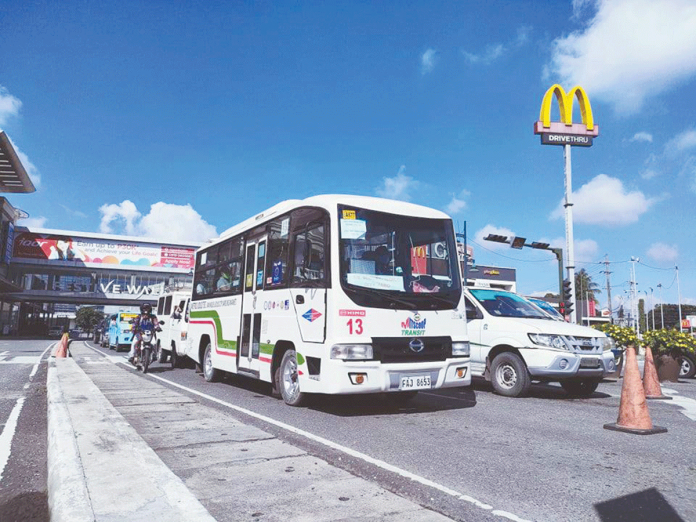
(333, 295)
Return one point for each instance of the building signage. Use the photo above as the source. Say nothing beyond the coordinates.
(69, 250)
(566, 132)
(8, 244)
(548, 138)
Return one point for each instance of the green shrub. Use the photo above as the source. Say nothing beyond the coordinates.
(622, 335)
(670, 342)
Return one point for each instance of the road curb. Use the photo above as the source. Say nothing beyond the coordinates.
(99, 468)
(68, 498)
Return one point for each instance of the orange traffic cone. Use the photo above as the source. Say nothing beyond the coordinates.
(62, 348)
(651, 383)
(633, 410)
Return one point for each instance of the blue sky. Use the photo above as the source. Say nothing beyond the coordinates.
(178, 120)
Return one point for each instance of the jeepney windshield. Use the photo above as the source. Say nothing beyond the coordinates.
(506, 304)
(396, 261)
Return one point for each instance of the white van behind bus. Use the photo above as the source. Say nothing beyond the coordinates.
(172, 313)
(513, 343)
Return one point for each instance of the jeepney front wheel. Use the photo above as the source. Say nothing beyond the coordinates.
(209, 372)
(288, 380)
(580, 387)
(509, 375)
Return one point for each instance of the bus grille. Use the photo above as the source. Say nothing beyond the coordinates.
(398, 350)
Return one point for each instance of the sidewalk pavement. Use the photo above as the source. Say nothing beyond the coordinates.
(126, 448)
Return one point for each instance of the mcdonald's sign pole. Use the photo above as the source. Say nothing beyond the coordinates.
(567, 134)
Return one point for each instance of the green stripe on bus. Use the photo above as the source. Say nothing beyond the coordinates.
(212, 314)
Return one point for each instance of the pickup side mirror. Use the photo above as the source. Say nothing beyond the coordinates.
(471, 314)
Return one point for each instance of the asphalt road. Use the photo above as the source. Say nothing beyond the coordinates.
(544, 457)
(23, 496)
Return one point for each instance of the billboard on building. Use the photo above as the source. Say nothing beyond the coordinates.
(68, 250)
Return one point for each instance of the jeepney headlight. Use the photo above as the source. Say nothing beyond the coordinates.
(351, 352)
(552, 341)
(607, 343)
(461, 349)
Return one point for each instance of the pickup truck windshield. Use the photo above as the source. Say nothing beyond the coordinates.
(506, 304)
(395, 261)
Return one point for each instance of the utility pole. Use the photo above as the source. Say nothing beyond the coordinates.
(679, 297)
(570, 253)
(652, 303)
(662, 314)
(634, 295)
(607, 272)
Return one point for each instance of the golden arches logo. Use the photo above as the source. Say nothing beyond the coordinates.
(565, 106)
(419, 251)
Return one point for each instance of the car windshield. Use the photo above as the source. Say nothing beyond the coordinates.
(398, 261)
(506, 304)
(548, 308)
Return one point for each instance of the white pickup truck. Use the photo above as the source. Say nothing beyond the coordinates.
(513, 343)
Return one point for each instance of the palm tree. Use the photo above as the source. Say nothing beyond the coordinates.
(585, 288)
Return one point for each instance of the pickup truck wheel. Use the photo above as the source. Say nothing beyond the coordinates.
(688, 367)
(509, 375)
(580, 387)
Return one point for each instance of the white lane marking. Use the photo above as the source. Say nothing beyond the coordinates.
(8, 434)
(36, 366)
(688, 405)
(338, 447)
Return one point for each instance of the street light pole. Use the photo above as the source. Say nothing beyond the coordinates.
(679, 297)
(652, 303)
(569, 230)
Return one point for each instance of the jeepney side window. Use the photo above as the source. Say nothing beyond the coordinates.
(205, 272)
(228, 273)
(278, 246)
(160, 304)
(309, 261)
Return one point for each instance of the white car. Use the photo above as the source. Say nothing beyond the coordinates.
(513, 343)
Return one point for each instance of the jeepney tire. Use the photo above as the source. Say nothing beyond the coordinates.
(509, 375)
(209, 373)
(580, 387)
(275, 385)
(288, 381)
(174, 358)
(161, 354)
(687, 367)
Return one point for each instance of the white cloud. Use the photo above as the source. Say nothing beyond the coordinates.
(642, 136)
(397, 187)
(605, 201)
(491, 53)
(165, 222)
(37, 222)
(428, 61)
(584, 250)
(681, 142)
(630, 51)
(125, 213)
(498, 231)
(457, 203)
(663, 252)
(72, 212)
(9, 105)
(176, 223)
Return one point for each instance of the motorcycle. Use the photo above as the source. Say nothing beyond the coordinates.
(145, 352)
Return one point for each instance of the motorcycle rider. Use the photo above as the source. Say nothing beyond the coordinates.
(145, 321)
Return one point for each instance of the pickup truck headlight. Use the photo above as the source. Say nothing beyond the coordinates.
(351, 352)
(461, 349)
(607, 343)
(549, 340)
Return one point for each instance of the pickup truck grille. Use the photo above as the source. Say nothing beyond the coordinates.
(585, 344)
(398, 350)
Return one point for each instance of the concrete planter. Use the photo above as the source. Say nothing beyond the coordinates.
(667, 368)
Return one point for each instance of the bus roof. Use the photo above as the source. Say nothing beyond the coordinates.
(329, 202)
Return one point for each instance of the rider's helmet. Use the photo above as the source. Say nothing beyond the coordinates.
(145, 308)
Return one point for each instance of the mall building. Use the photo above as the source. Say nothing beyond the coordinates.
(46, 274)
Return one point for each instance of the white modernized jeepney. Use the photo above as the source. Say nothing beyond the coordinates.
(333, 295)
(172, 313)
